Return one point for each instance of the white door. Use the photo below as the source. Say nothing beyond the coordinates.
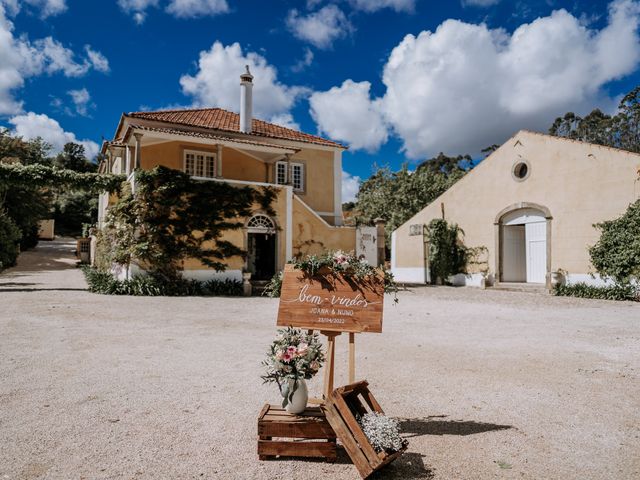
(536, 241)
(514, 267)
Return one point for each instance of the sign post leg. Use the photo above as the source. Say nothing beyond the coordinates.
(329, 367)
(352, 357)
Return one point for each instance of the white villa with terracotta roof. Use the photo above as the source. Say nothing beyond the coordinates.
(213, 144)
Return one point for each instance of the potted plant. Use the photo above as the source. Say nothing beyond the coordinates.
(293, 357)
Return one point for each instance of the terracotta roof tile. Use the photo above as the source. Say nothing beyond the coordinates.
(213, 136)
(223, 120)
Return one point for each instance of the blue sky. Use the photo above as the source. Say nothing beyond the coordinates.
(397, 80)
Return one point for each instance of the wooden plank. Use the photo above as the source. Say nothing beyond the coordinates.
(263, 412)
(372, 402)
(319, 430)
(297, 449)
(354, 428)
(330, 301)
(348, 441)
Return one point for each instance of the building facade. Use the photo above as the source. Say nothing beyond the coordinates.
(528, 210)
(212, 144)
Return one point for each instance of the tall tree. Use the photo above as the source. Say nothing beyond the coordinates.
(397, 196)
(24, 205)
(74, 208)
(621, 130)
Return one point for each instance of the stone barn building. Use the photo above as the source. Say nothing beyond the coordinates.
(529, 209)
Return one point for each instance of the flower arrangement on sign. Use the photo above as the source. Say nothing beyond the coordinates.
(382, 432)
(293, 357)
(335, 262)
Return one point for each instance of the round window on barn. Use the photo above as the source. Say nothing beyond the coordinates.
(521, 170)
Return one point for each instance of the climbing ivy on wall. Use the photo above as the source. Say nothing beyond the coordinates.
(41, 176)
(447, 255)
(171, 218)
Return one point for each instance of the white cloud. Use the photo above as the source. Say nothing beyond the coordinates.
(97, 59)
(217, 82)
(305, 61)
(197, 8)
(21, 58)
(137, 8)
(285, 120)
(32, 125)
(81, 99)
(466, 86)
(350, 187)
(479, 3)
(346, 113)
(47, 8)
(177, 8)
(375, 5)
(319, 28)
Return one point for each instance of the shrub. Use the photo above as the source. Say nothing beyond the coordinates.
(617, 252)
(9, 241)
(224, 288)
(447, 255)
(145, 285)
(609, 292)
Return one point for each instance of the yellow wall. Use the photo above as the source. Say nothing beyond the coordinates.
(313, 236)
(580, 184)
(235, 165)
(318, 192)
(239, 237)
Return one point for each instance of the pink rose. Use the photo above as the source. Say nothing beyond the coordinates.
(286, 357)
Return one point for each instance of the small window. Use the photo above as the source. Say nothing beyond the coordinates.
(281, 173)
(200, 164)
(521, 171)
(297, 176)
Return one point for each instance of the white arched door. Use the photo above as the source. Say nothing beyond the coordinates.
(524, 246)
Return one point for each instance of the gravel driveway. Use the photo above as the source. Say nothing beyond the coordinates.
(487, 384)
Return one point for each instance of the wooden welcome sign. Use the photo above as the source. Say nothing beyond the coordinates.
(331, 302)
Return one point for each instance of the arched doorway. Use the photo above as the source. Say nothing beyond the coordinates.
(524, 235)
(261, 247)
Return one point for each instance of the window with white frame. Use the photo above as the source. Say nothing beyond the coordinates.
(200, 164)
(295, 175)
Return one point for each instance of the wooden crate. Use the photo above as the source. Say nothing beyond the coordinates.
(282, 434)
(341, 408)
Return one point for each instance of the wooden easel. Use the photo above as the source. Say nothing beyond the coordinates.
(329, 368)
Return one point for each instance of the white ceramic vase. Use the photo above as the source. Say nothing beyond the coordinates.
(298, 402)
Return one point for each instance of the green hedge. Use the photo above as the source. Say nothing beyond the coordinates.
(609, 292)
(143, 285)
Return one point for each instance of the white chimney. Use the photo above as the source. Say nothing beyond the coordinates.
(246, 101)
